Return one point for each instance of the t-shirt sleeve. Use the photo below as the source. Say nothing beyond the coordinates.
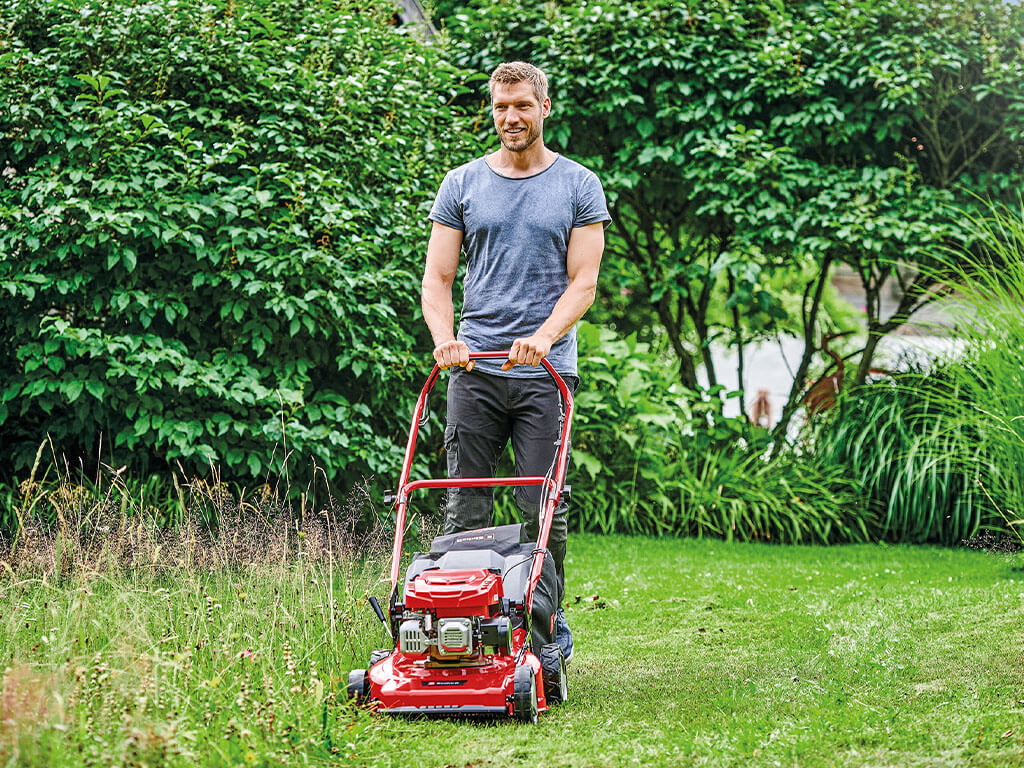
(591, 206)
(447, 208)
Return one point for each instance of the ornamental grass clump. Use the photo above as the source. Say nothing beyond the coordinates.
(937, 450)
(906, 447)
(991, 372)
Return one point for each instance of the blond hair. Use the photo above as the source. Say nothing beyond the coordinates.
(512, 72)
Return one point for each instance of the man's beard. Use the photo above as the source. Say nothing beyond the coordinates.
(522, 143)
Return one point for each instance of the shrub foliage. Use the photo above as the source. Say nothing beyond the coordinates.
(738, 139)
(651, 457)
(213, 220)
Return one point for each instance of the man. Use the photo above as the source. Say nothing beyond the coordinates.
(531, 223)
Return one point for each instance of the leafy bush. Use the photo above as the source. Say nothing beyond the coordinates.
(652, 457)
(213, 225)
(735, 138)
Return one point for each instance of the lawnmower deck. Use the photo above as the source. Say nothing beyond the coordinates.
(404, 685)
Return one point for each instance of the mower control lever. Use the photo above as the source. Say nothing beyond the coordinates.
(377, 609)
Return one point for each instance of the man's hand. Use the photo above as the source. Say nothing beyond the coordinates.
(452, 353)
(528, 351)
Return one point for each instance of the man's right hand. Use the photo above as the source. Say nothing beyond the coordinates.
(452, 353)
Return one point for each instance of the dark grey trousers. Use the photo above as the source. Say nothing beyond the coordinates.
(484, 411)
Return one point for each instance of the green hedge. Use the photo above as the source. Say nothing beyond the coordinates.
(213, 231)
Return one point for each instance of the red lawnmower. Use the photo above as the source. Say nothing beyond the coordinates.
(473, 620)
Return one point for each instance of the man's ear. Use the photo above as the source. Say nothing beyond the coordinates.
(545, 108)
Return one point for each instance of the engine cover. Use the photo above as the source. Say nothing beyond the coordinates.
(469, 592)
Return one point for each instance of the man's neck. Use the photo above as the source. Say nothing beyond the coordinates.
(529, 162)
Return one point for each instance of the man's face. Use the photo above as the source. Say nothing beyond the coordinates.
(518, 115)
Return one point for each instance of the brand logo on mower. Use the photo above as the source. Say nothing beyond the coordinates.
(442, 683)
(486, 537)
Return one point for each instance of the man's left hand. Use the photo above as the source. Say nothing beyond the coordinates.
(528, 351)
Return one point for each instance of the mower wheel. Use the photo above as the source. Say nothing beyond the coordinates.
(524, 695)
(380, 653)
(359, 686)
(552, 663)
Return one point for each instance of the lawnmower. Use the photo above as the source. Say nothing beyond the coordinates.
(473, 620)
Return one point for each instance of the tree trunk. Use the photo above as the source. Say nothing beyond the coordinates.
(875, 335)
(738, 328)
(919, 292)
(672, 326)
(699, 315)
(687, 372)
(810, 334)
(876, 328)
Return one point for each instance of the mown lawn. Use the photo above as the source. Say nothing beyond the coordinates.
(687, 653)
(708, 653)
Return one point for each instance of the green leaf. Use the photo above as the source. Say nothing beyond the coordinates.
(590, 464)
(253, 462)
(71, 390)
(95, 388)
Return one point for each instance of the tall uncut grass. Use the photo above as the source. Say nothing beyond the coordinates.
(221, 637)
(938, 451)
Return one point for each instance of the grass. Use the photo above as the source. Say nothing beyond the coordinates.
(688, 653)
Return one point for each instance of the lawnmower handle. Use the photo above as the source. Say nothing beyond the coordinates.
(559, 382)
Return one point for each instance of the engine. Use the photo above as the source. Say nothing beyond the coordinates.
(452, 638)
(480, 624)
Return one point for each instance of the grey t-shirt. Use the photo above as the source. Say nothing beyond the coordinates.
(516, 238)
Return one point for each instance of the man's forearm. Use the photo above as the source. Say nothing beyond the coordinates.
(438, 311)
(569, 308)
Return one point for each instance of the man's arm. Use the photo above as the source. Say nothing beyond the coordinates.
(583, 262)
(436, 298)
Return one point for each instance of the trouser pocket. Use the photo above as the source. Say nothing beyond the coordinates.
(467, 508)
